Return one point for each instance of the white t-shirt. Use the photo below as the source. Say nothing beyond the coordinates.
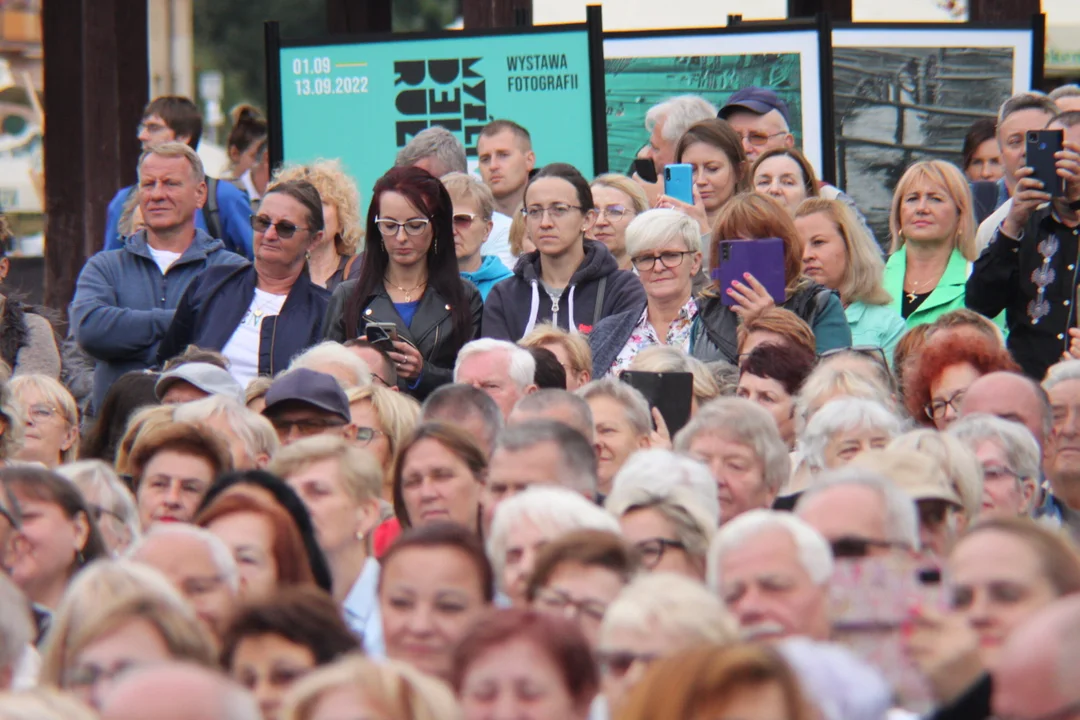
(163, 258)
(242, 350)
(498, 242)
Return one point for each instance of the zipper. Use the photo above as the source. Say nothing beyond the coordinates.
(555, 307)
(434, 345)
(273, 337)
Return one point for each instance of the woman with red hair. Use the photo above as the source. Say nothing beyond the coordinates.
(714, 334)
(268, 549)
(936, 379)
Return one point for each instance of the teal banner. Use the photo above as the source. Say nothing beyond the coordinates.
(362, 102)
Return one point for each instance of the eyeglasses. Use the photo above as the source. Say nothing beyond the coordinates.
(151, 128)
(936, 410)
(305, 427)
(557, 211)
(669, 259)
(757, 139)
(614, 212)
(994, 473)
(853, 546)
(464, 220)
(618, 662)
(88, 676)
(284, 228)
(367, 434)
(41, 413)
(381, 379)
(557, 601)
(652, 550)
(390, 228)
(98, 513)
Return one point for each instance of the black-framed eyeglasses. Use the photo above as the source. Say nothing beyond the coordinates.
(652, 550)
(853, 546)
(936, 409)
(305, 426)
(557, 601)
(391, 228)
(557, 211)
(284, 228)
(669, 259)
(618, 662)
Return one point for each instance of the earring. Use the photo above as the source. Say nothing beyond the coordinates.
(80, 559)
(360, 536)
(435, 246)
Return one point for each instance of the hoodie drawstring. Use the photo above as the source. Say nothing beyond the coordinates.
(534, 309)
(570, 307)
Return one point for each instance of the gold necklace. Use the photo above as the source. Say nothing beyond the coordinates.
(409, 292)
(911, 294)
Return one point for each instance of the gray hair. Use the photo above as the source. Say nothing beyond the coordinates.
(634, 404)
(522, 365)
(219, 551)
(678, 114)
(437, 142)
(576, 454)
(250, 427)
(457, 402)
(836, 681)
(1061, 372)
(16, 624)
(1030, 100)
(333, 353)
(549, 398)
(675, 606)
(1065, 91)
(747, 423)
(176, 150)
(659, 473)
(826, 382)
(901, 515)
(554, 510)
(654, 229)
(95, 478)
(813, 550)
(844, 414)
(1015, 440)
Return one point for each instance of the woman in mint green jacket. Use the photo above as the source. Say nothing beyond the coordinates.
(842, 256)
(933, 242)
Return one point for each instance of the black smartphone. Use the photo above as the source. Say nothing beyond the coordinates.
(669, 392)
(381, 333)
(645, 169)
(1040, 148)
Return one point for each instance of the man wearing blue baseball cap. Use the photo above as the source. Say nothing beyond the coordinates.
(303, 402)
(761, 119)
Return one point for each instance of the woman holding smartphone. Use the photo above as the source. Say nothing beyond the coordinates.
(747, 217)
(410, 278)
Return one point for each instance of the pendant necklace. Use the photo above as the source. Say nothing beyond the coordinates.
(408, 292)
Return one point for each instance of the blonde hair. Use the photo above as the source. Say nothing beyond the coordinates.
(862, 281)
(627, 187)
(337, 189)
(664, 358)
(517, 234)
(42, 703)
(361, 477)
(956, 186)
(956, 459)
(394, 690)
(682, 609)
(57, 395)
(471, 188)
(257, 388)
(109, 593)
(576, 346)
(144, 419)
(399, 413)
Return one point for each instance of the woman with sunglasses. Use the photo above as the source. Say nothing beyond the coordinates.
(410, 279)
(474, 206)
(259, 315)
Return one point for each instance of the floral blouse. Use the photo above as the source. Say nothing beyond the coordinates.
(644, 335)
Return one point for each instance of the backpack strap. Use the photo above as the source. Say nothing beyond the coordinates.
(211, 214)
(598, 309)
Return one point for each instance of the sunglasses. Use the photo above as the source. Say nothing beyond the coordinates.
(284, 228)
(464, 220)
(852, 546)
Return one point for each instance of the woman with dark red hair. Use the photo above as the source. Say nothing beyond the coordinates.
(525, 663)
(936, 379)
(410, 278)
(771, 376)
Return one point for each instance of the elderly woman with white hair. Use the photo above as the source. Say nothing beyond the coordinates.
(1010, 460)
(335, 360)
(528, 521)
(110, 502)
(622, 425)
(829, 381)
(740, 444)
(845, 427)
(654, 617)
(667, 508)
(51, 436)
(252, 440)
(665, 249)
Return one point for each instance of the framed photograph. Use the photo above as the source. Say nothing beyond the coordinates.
(363, 98)
(644, 68)
(904, 93)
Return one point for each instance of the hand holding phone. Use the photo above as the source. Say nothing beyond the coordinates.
(679, 182)
(381, 333)
(761, 260)
(1041, 146)
(669, 392)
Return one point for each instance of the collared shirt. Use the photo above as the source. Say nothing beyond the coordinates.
(361, 610)
(644, 335)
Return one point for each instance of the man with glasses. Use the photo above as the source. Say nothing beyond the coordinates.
(301, 403)
(1061, 454)
(125, 299)
(171, 118)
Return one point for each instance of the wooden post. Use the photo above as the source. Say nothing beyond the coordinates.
(358, 16)
(837, 10)
(96, 85)
(496, 13)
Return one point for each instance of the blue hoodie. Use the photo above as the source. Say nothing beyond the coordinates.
(491, 271)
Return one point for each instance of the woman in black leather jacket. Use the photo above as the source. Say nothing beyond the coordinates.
(410, 278)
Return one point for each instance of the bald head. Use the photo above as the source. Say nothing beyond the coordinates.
(175, 691)
(1038, 669)
(1011, 396)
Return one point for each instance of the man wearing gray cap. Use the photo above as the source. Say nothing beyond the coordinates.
(195, 381)
(301, 403)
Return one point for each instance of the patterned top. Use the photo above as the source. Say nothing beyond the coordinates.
(644, 335)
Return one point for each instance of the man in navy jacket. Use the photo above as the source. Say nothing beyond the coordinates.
(124, 299)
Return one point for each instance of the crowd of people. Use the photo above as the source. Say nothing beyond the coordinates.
(287, 463)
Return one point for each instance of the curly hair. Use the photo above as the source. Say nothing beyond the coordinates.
(962, 345)
(336, 188)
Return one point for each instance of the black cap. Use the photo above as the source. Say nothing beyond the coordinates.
(308, 387)
(756, 100)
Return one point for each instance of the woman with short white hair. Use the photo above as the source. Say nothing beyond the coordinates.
(1010, 459)
(664, 247)
(110, 502)
(251, 438)
(335, 360)
(843, 428)
(622, 425)
(52, 420)
(828, 382)
(530, 520)
(656, 616)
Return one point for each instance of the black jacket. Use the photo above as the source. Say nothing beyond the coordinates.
(216, 301)
(431, 331)
(519, 303)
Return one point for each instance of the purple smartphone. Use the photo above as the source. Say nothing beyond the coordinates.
(764, 259)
